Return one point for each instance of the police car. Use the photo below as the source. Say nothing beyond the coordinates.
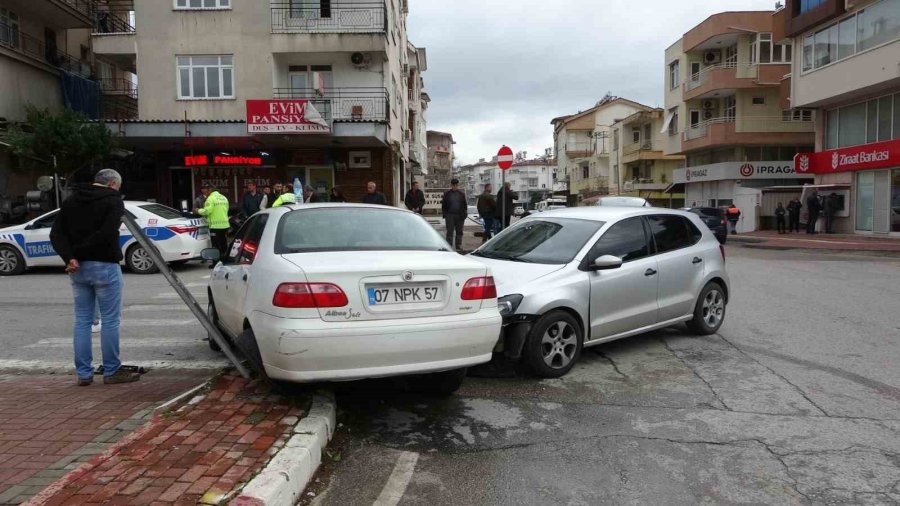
(179, 239)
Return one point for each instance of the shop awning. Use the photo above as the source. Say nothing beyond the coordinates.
(667, 122)
(675, 188)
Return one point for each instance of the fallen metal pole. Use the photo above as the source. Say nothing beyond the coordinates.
(185, 294)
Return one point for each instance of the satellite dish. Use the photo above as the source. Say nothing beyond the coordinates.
(45, 183)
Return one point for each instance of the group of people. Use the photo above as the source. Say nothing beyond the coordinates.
(455, 206)
(816, 206)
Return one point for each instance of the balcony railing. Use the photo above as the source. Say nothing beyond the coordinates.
(745, 70)
(702, 129)
(343, 104)
(323, 16)
(84, 7)
(118, 86)
(112, 23)
(637, 146)
(22, 43)
(580, 147)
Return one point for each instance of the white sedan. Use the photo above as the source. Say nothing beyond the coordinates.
(179, 239)
(326, 292)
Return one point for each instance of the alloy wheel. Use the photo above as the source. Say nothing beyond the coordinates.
(141, 260)
(713, 308)
(559, 344)
(8, 260)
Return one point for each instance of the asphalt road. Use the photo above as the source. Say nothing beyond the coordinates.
(158, 331)
(795, 401)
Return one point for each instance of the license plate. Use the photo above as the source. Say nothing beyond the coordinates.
(406, 294)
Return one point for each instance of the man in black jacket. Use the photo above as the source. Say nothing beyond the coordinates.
(86, 236)
(453, 207)
(372, 196)
(813, 207)
(415, 199)
(794, 208)
(487, 209)
(251, 201)
(505, 215)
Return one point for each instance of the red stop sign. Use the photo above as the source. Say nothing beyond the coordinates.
(504, 158)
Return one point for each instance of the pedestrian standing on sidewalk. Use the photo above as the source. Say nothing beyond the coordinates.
(86, 236)
(505, 214)
(814, 207)
(415, 199)
(780, 211)
(487, 209)
(373, 196)
(831, 208)
(454, 206)
(215, 210)
(336, 195)
(734, 215)
(794, 208)
(252, 200)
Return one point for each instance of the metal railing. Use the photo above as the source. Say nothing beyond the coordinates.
(702, 129)
(637, 146)
(84, 7)
(22, 43)
(118, 86)
(694, 81)
(343, 104)
(112, 23)
(328, 16)
(580, 147)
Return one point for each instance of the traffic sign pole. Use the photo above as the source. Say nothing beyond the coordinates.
(504, 162)
(503, 204)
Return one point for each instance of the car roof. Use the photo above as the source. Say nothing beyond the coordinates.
(607, 213)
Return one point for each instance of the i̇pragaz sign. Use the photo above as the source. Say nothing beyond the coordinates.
(736, 170)
(880, 155)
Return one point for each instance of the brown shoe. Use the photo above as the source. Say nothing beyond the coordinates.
(83, 382)
(121, 377)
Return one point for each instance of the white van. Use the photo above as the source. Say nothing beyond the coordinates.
(546, 205)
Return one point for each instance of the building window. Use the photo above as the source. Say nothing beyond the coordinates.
(730, 105)
(762, 50)
(205, 77)
(796, 115)
(9, 28)
(673, 125)
(808, 5)
(868, 28)
(674, 75)
(875, 120)
(759, 100)
(586, 171)
(202, 4)
(616, 139)
(635, 134)
(865, 200)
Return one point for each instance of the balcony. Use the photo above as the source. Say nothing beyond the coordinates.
(630, 149)
(57, 14)
(113, 38)
(732, 76)
(747, 130)
(580, 149)
(329, 17)
(34, 50)
(343, 105)
(119, 99)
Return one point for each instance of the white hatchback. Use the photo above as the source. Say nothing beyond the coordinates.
(178, 239)
(325, 292)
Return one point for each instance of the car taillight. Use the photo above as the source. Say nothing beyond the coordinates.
(479, 289)
(309, 295)
(248, 252)
(722, 250)
(182, 229)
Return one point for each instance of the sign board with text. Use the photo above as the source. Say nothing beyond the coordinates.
(284, 117)
(878, 155)
(737, 171)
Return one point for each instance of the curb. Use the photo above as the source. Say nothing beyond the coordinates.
(285, 476)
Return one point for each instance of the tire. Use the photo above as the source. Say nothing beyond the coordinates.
(709, 312)
(246, 342)
(554, 345)
(11, 261)
(214, 317)
(138, 261)
(441, 384)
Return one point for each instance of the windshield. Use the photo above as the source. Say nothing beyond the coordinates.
(541, 240)
(355, 229)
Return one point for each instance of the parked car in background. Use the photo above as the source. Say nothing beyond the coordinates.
(473, 216)
(583, 276)
(623, 202)
(332, 292)
(550, 204)
(714, 218)
(178, 239)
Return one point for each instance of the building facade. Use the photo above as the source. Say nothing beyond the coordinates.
(640, 167)
(724, 105)
(583, 143)
(531, 180)
(845, 68)
(440, 159)
(234, 91)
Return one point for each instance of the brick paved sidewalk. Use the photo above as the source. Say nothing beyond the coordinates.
(49, 426)
(202, 453)
(835, 242)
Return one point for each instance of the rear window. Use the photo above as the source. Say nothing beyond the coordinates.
(355, 229)
(708, 212)
(672, 232)
(161, 211)
(541, 240)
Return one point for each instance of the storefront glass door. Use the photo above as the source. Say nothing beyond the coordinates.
(865, 201)
(895, 201)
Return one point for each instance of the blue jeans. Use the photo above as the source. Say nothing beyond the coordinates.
(97, 283)
(488, 226)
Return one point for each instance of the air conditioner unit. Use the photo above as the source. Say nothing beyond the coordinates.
(712, 57)
(708, 114)
(709, 104)
(360, 60)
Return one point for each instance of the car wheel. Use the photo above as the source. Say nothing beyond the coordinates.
(554, 345)
(246, 342)
(709, 313)
(214, 318)
(11, 261)
(439, 383)
(139, 261)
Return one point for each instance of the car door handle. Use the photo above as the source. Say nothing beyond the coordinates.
(244, 277)
(226, 275)
(697, 260)
(650, 272)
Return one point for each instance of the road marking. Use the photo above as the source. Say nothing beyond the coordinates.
(130, 342)
(156, 307)
(59, 365)
(396, 485)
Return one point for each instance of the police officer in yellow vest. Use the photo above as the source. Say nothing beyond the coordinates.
(216, 212)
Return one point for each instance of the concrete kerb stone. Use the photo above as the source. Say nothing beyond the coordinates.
(285, 477)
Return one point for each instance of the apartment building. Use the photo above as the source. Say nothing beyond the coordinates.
(440, 159)
(640, 168)
(529, 179)
(725, 113)
(418, 101)
(473, 177)
(44, 50)
(845, 67)
(233, 91)
(583, 143)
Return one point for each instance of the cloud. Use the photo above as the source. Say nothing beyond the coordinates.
(499, 71)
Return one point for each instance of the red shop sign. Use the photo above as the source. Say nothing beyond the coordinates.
(204, 160)
(284, 117)
(869, 156)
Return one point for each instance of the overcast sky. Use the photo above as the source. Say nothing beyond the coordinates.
(500, 70)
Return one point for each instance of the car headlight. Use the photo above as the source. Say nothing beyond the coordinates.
(509, 304)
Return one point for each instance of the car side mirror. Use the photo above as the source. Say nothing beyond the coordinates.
(211, 254)
(606, 262)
